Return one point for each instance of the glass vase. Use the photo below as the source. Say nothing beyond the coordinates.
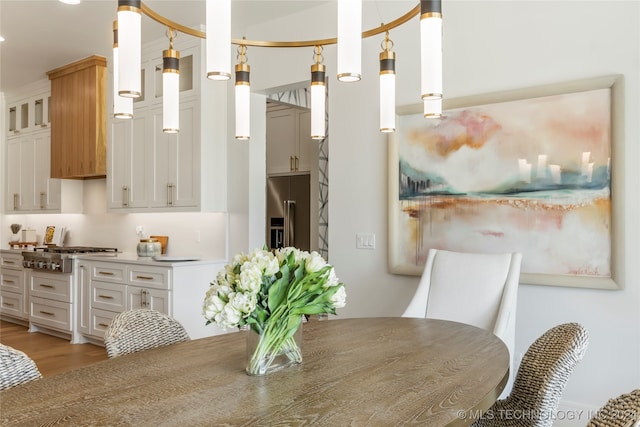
(269, 352)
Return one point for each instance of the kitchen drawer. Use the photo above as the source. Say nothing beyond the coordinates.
(100, 320)
(11, 304)
(11, 260)
(149, 277)
(108, 271)
(12, 280)
(50, 314)
(108, 296)
(51, 285)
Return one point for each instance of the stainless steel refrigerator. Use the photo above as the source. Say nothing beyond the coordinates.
(288, 211)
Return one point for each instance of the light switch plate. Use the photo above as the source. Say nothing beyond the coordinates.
(365, 241)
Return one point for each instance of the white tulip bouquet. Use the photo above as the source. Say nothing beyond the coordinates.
(269, 293)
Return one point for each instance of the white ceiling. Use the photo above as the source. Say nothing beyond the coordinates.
(45, 34)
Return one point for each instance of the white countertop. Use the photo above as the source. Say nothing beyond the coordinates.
(133, 258)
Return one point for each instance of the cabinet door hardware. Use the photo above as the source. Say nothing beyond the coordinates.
(48, 313)
(8, 304)
(16, 201)
(47, 286)
(105, 273)
(104, 325)
(43, 198)
(8, 281)
(8, 261)
(105, 296)
(170, 188)
(144, 277)
(125, 196)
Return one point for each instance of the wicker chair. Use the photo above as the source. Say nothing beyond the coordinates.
(138, 330)
(540, 380)
(16, 368)
(622, 411)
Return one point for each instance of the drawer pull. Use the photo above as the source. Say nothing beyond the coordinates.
(144, 277)
(104, 325)
(8, 281)
(105, 296)
(105, 273)
(47, 286)
(6, 261)
(8, 304)
(47, 313)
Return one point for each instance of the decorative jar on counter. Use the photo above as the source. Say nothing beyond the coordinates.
(149, 247)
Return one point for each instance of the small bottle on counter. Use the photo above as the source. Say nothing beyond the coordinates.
(149, 247)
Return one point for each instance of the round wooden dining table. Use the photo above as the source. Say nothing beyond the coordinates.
(355, 372)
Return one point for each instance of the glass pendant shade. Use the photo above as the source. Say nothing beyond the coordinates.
(218, 20)
(243, 102)
(432, 108)
(431, 49)
(318, 101)
(122, 107)
(349, 40)
(170, 91)
(129, 48)
(387, 91)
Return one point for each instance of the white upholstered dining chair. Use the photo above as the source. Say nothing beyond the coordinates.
(478, 289)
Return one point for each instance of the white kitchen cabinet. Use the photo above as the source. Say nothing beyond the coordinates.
(29, 186)
(128, 177)
(115, 285)
(175, 166)
(153, 299)
(150, 171)
(51, 302)
(28, 114)
(30, 189)
(289, 143)
(13, 289)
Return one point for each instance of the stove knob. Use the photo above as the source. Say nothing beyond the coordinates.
(27, 263)
(40, 264)
(54, 266)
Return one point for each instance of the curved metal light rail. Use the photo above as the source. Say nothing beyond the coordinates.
(261, 43)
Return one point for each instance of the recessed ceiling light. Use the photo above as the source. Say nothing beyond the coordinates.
(1, 39)
(69, 1)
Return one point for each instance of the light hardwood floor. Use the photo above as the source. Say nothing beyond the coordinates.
(52, 355)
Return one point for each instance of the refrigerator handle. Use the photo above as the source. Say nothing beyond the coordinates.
(289, 222)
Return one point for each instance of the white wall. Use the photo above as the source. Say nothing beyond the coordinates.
(488, 46)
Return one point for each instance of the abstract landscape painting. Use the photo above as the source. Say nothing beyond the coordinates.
(528, 175)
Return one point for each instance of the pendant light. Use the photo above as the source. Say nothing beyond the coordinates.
(431, 56)
(130, 49)
(243, 95)
(170, 87)
(122, 107)
(218, 20)
(349, 40)
(387, 86)
(318, 96)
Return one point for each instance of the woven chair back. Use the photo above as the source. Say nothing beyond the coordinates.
(138, 330)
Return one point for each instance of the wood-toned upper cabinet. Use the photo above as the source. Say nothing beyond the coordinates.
(78, 119)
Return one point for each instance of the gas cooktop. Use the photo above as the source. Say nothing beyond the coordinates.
(59, 259)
